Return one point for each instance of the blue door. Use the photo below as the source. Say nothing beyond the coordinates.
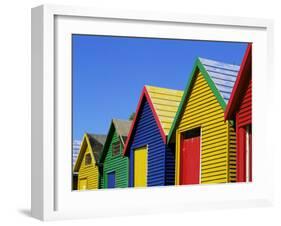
(111, 180)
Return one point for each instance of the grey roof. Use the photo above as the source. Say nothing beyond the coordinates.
(97, 141)
(122, 127)
(223, 75)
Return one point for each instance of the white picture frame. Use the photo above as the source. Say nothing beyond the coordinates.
(52, 197)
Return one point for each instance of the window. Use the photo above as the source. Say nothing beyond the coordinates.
(116, 148)
(88, 159)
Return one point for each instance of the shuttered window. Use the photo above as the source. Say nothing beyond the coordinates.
(88, 159)
(116, 148)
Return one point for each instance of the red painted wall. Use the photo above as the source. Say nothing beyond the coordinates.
(244, 114)
(243, 118)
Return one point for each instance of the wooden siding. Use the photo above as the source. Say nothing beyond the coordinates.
(170, 165)
(243, 118)
(244, 114)
(232, 153)
(117, 163)
(203, 110)
(89, 172)
(166, 103)
(147, 133)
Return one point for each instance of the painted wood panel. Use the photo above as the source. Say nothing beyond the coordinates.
(165, 102)
(117, 163)
(146, 133)
(140, 167)
(155, 113)
(90, 172)
(244, 120)
(83, 184)
(190, 160)
(203, 110)
(111, 180)
(244, 113)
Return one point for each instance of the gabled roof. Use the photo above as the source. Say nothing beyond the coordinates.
(122, 128)
(95, 143)
(222, 74)
(244, 76)
(163, 103)
(220, 78)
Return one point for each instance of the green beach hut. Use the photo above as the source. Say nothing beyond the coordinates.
(114, 166)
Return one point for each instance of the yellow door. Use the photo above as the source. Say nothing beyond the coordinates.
(83, 184)
(140, 167)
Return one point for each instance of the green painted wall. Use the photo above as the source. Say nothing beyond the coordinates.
(117, 163)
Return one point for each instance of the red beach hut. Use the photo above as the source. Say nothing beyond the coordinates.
(239, 108)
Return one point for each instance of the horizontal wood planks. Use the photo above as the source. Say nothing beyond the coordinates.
(243, 119)
(166, 103)
(118, 164)
(203, 111)
(147, 134)
(89, 173)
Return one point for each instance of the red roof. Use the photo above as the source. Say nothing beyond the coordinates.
(242, 78)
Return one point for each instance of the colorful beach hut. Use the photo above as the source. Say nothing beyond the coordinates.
(113, 164)
(205, 142)
(151, 160)
(239, 108)
(86, 164)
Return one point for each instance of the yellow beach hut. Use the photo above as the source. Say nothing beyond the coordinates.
(205, 142)
(86, 164)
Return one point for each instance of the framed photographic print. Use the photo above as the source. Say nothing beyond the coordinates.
(142, 113)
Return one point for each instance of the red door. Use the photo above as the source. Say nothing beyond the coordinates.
(190, 161)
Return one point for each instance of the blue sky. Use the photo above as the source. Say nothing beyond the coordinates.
(110, 72)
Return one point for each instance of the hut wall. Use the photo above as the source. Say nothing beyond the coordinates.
(117, 163)
(147, 132)
(89, 172)
(203, 111)
(243, 118)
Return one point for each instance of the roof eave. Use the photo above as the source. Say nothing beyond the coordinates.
(108, 137)
(197, 66)
(146, 95)
(133, 124)
(231, 106)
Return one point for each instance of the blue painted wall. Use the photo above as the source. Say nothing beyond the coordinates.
(161, 160)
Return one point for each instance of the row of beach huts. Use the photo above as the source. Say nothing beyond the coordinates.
(200, 135)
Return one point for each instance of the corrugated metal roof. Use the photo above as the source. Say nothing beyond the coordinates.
(166, 103)
(223, 75)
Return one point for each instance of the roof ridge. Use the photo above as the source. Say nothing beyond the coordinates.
(220, 95)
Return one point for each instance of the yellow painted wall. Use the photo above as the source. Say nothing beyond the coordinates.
(217, 150)
(89, 172)
(232, 154)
